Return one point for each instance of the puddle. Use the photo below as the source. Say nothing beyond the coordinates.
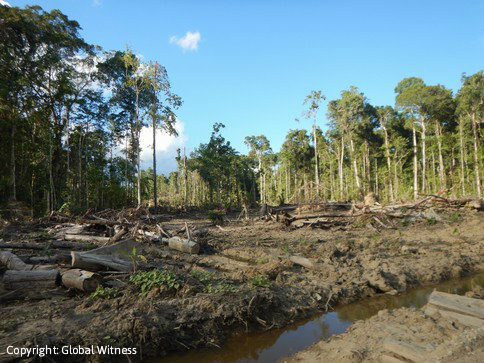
(271, 346)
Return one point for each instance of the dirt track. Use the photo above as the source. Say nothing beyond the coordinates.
(350, 264)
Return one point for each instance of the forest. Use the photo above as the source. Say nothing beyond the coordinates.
(72, 114)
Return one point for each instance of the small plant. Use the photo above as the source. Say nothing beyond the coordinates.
(223, 287)
(216, 216)
(285, 247)
(134, 257)
(431, 221)
(260, 281)
(145, 281)
(455, 217)
(205, 277)
(105, 293)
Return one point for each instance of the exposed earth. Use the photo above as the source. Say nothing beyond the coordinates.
(244, 280)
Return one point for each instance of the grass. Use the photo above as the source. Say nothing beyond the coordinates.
(145, 281)
(223, 287)
(105, 293)
(260, 281)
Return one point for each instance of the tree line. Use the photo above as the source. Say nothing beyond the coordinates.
(67, 108)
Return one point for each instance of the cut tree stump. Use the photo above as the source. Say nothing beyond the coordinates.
(183, 245)
(37, 279)
(82, 280)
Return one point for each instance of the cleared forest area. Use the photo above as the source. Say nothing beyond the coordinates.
(94, 250)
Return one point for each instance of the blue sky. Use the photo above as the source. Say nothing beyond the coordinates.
(257, 60)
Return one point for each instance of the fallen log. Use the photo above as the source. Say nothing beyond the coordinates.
(113, 256)
(82, 280)
(86, 238)
(183, 245)
(83, 260)
(12, 262)
(118, 235)
(37, 279)
(41, 246)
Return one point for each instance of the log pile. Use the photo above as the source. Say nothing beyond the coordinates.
(369, 213)
(82, 253)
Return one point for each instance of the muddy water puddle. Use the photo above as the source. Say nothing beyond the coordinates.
(271, 346)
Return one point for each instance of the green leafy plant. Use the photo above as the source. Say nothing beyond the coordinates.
(145, 281)
(223, 287)
(455, 217)
(285, 247)
(260, 281)
(431, 221)
(105, 293)
(134, 257)
(205, 277)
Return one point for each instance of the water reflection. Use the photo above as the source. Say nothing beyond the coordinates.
(270, 346)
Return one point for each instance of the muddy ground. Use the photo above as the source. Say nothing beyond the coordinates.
(243, 280)
(439, 339)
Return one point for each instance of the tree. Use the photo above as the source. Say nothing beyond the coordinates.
(410, 93)
(259, 148)
(313, 102)
(471, 105)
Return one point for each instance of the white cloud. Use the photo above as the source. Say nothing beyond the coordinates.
(95, 2)
(166, 146)
(4, 3)
(187, 42)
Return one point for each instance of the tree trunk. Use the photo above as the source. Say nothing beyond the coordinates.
(155, 201)
(183, 245)
(424, 157)
(316, 166)
(441, 160)
(389, 164)
(82, 280)
(12, 161)
(476, 157)
(461, 142)
(340, 169)
(91, 261)
(355, 165)
(37, 279)
(415, 163)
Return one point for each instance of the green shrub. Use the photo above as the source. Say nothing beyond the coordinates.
(105, 293)
(224, 287)
(260, 281)
(145, 281)
(205, 277)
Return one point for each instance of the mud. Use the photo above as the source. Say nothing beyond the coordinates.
(441, 340)
(353, 263)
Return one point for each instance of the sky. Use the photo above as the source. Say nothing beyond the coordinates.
(249, 64)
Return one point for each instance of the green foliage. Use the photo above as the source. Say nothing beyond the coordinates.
(455, 217)
(223, 287)
(205, 277)
(105, 293)
(260, 281)
(285, 247)
(135, 257)
(145, 281)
